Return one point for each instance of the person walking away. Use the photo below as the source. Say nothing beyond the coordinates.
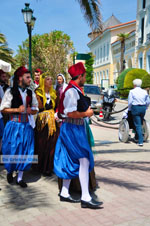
(138, 102)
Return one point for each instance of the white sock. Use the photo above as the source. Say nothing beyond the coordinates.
(84, 179)
(65, 188)
(20, 175)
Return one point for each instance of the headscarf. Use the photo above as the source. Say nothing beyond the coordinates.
(63, 85)
(40, 91)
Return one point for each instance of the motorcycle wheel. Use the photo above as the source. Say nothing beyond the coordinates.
(107, 113)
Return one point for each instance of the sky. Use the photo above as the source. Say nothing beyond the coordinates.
(64, 15)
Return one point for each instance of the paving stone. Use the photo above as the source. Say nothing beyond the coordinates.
(122, 172)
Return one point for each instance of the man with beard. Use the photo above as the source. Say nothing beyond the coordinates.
(3, 79)
(73, 155)
(18, 137)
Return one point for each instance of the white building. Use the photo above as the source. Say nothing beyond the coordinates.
(142, 50)
(101, 47)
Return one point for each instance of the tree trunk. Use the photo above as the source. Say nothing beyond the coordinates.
(122, 56)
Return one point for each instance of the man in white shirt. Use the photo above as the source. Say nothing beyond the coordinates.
(18, 137)
(138, 101)
(73, 155)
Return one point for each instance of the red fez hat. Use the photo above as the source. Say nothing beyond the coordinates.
(21, 71)
(76, 69)
(38, 70)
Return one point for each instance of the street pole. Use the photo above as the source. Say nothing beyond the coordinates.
(30, 49)
(29, 20)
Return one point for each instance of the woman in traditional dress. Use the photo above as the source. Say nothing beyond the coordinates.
(60, 84)
(46, 131)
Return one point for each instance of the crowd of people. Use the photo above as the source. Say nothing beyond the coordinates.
(47, 122)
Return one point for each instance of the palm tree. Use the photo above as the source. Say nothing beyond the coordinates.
(5, 52)
(122, 37)
(92, 13)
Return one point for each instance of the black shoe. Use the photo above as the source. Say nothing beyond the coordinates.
(22, 184)
(10, 178)
(92, 204)
(47, 174)
(69, 199)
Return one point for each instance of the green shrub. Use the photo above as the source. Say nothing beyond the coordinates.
(121, 77)
(146, 81)
(133, 74)
(124, 93)
(125, 80)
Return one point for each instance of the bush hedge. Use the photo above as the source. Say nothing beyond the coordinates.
(133, 74)
(120, 81)
(125, 80)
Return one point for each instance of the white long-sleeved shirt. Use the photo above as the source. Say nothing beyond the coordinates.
(138, 96)
(1, 96)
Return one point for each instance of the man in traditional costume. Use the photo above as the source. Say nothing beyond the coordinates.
(18, 138)
(73, 155)
(3, 78)
(37, 75)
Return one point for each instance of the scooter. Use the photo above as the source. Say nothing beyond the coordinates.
(108, 103)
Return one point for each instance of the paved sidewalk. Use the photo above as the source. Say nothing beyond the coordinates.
(123, 174)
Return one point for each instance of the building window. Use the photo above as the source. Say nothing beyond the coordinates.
(101, 54)
(142, 30)
(140, 62)
(94, 78)
(104, 75)
(104, 54)
(144, 4)
(98, 56)
(100, 80)
(148, 61)
(95, 57)
(97, 77)
(107, 74)
(107, 50)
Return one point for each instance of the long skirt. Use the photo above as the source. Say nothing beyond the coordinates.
(1, 127)
(45, 148)
(75, 183)
(72, 145)
(18, 141)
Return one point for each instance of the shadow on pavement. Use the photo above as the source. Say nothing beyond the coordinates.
(105, 143)
(109, 164)
(96, 152)
(121, 183)
(20, 199)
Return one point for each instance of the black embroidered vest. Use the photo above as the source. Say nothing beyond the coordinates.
(17, 99)
(83, 103)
